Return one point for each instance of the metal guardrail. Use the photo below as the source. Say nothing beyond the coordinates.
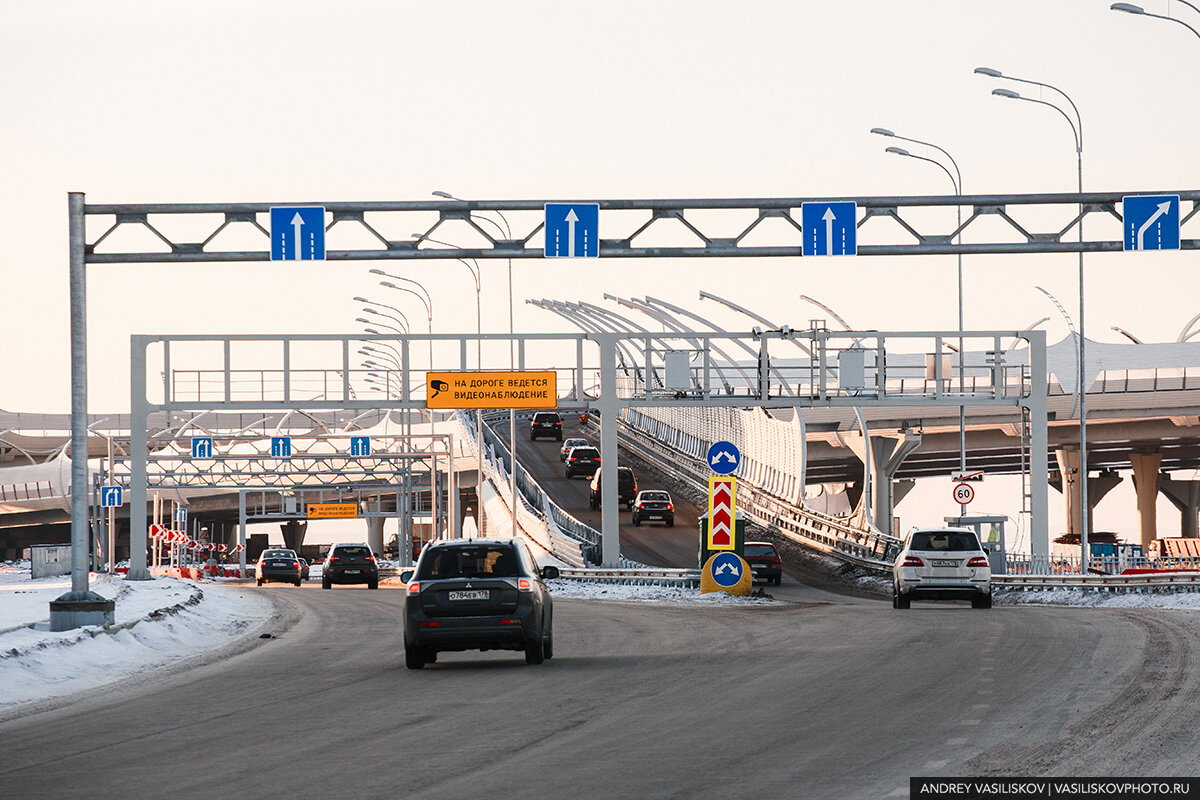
(1177, 581)
(828, 534)
(687, 578)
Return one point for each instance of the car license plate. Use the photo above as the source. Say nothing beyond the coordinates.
(352, 572)
(477, 594)
(944, 563)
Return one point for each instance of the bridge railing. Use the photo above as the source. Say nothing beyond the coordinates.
(849, 538)
(571, 540)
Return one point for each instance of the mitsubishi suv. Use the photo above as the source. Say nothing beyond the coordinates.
(478, 594)
(941, 564)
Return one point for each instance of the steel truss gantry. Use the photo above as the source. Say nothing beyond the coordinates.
(704, 228)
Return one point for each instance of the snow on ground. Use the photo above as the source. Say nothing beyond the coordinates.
(157, 623)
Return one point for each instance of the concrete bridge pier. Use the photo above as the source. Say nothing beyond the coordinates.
(293, 533)
(1145, 483)
(1184, 495)
(375, 534)
(887, 454)
(1098, 487)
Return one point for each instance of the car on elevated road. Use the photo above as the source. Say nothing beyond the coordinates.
(570, 444)
(942, 564)
(653, 504)
(583, 460)
(546, 423)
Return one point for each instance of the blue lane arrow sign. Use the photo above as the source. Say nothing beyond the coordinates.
(1151, 222)
(572, 230)
(829, 229)
(202, 447)
(724, 458)
(298, 233)
(181, 517)
(360, 445)
(281, 447)
(111, 497)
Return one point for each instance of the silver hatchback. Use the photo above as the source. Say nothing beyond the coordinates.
(942, 564)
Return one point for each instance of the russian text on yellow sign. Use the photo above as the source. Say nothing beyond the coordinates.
(491, 389)
(332, 510)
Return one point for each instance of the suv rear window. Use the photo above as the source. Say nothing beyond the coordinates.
(473, 561)
(357, 551)
(547, 416)
(944, 541)
(585, 452)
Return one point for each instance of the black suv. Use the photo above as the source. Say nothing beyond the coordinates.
(626, 488)
(478, 594)
(582, 460)
(546, 423)
(350, 563)
(654, 504)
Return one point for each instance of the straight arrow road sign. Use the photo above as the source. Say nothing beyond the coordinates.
(830, 228)
(298, 233)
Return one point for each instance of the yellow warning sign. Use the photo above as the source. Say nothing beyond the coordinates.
(491, 389)
(332, 510)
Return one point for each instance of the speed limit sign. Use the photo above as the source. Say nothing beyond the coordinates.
(963, 493)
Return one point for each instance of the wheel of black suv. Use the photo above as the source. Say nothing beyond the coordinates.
(534, 654)
(413, 658)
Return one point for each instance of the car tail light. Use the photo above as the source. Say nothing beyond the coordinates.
(774, 562)
(524, 584)
(429, 624)
(641, 506)
(912, 561)
(336, 558)
(574, 458)
(510, 622)
(670, 506)
(371, 559)
(978, 561)
(295, 563)
(414, 589)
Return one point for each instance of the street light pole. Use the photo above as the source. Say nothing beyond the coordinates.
(1077, 133)
(1129, 8)
(512, 359)
(956, 181)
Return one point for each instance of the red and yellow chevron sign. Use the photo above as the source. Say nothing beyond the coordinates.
(722, 511)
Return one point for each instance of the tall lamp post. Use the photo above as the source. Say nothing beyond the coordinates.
(1077, 132)
(1129, 8)
(956, 181)
(512, 359)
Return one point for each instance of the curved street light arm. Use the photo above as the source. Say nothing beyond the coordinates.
(401, 314)
(402, 323)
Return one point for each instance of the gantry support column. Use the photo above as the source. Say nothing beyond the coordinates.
(1184, 495)
(1068, 470)
(1145, 482)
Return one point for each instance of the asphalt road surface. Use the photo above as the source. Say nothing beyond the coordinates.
(641, 701)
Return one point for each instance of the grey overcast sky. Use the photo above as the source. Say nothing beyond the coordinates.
(302, 100)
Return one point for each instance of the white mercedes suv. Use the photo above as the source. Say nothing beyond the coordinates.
(941, 564)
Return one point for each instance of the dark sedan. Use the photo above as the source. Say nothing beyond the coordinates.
(480, 594)
(764, 560)
(277, 564)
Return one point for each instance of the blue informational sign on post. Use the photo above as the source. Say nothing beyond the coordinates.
(298, 233)
(360, 445)
(181, 518)
(830, 229)
(202, 447)
(572, 230)
(281, 447)
(1151, 222)
(723, 458)
(111, 497)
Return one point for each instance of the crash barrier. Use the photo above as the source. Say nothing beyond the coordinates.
(1019, 564)
(1145, 582)
(686, 578)
(571, 541)
(848, 538)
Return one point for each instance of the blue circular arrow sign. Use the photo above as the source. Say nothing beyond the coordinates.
(726, 570)
(724, 458)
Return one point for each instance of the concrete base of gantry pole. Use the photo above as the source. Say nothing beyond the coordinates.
(77, 609)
